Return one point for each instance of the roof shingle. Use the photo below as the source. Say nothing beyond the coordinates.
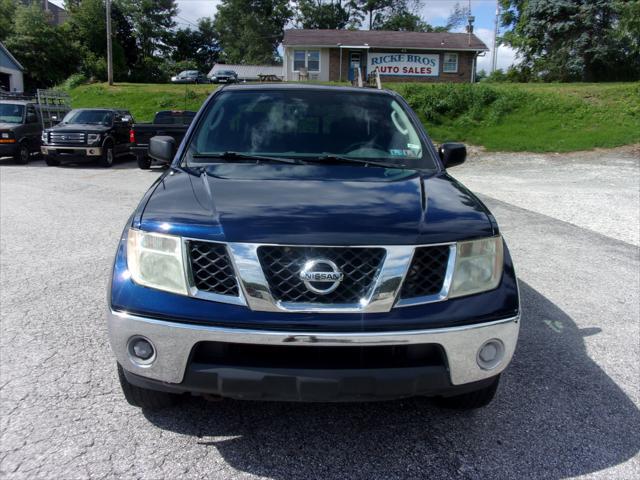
(383, 39)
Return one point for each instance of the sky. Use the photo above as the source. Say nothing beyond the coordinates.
(434, 12)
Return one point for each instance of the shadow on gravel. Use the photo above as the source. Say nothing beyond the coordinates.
(125, 162)
(557, 415)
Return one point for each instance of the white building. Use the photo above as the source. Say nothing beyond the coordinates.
(10, 71)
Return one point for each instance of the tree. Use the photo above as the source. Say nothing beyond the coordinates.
(152, 22)
(327, 14)
(459, 16)
(41, 48)
(374, 10)
(7, 13)
(569, 40)
(407, 22)
(629, 26)
(250, 30)
(198, 46)
(395, 15)
(86, 27)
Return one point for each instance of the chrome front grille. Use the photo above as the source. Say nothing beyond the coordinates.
(427, 272)
(282, 278)
(67, 138)
(211, 268)
(282, 266)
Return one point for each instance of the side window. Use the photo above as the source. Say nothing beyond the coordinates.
(313, 60)
(309, 59)
(450, 63)
(32, 117)
(299, 60)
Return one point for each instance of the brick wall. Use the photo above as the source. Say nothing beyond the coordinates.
(465, 65)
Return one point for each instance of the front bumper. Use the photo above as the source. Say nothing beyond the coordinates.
(8, 149)
(174, 343)
(71, 151)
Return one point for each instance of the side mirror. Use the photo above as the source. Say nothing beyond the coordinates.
(162, 148)
(126, 119)
(452, 154)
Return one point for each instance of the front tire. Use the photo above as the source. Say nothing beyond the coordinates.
(471, 400)
(23, 154)
(144, 162)
(106, 160)
(143, 397)
(52, 162)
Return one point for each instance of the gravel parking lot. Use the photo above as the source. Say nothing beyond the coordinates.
(567, 406)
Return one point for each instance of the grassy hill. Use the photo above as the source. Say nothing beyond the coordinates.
(500, 117)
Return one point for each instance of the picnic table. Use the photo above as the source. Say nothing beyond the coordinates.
(269, 77)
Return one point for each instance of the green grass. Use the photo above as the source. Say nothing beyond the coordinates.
(500, 117)
(141, 99)
(529, 117)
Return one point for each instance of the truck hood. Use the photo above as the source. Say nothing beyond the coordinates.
(313, 204)
(9, 126)
(79, 127)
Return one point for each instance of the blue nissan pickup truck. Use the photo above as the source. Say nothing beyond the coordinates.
(308, 244)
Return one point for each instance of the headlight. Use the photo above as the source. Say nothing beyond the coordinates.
(44, 137)
(478, 266)
(7, 137)
(155, 260)
(93, 137)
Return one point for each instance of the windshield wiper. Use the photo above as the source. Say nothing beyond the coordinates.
(245, 156)
(330, 157)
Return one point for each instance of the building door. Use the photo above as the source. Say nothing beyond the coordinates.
(5, 82)
(355, 61)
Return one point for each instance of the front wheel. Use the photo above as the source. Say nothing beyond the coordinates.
(143, 397)
(107, 156)
(23, 154)
(144, 162)
(52, 162)
(471, 400)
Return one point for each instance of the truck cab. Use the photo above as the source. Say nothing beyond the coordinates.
(308, 244)
(20, 129)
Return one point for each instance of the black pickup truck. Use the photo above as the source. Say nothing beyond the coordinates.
(171, 123)
(99, 134)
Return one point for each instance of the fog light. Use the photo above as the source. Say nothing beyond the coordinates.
(490, 354)
(141, 350)
(91, 152)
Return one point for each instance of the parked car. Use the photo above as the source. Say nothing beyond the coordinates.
(224, 76)
(308, 244)
(20, 129)
(189, 76)
(172, 123)
(94, 134)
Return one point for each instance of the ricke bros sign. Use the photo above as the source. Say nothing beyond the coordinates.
(406, 64)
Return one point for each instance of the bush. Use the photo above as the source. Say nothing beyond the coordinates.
(442, 103)
(74, 81)
(151, 70)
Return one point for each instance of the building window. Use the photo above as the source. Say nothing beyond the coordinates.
(450, 63)
(309, 59)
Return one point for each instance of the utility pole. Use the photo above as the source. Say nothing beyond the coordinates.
(494, 50)
(109, 46)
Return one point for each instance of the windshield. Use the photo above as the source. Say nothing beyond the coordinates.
(89, 117)
(11, 113)
(309, 124)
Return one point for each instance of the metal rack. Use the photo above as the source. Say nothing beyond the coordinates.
(53, 104)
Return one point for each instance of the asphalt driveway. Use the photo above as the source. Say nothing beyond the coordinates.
(567, 406)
